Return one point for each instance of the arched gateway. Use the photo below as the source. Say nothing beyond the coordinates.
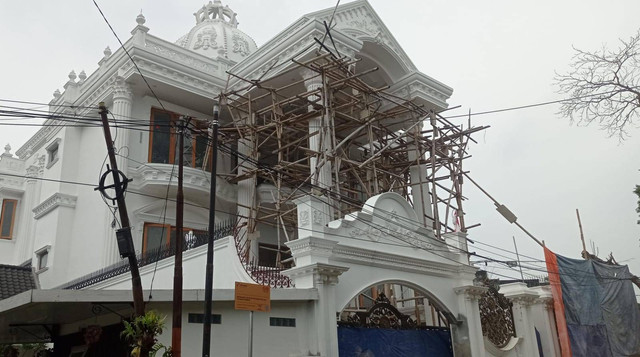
(383, 251)
(394, 319)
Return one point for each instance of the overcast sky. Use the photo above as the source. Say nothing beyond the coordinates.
(495, 54)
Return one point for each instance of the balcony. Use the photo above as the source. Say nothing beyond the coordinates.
(153, 178)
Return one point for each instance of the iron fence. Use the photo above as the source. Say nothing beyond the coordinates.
(192, 240)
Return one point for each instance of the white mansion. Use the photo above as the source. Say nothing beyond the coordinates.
(326, 183)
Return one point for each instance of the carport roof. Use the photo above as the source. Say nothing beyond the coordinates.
(26, 317)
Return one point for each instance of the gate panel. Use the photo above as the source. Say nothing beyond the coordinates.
(379, 342)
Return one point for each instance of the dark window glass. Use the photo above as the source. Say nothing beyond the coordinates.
(201, 151)
(155, 237)
(42, 259)
(161, 138)
(199, 318)
(6, 218)
(282, 322)
(164, 139)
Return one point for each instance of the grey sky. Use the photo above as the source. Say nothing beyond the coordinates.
(495, 54)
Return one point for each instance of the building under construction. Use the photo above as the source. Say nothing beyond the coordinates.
(322, 126)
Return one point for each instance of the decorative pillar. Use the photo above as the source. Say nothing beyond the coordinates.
(522, 298)
(28, 201)
(458, 242)
(420, 195)
(247, 200)
(36, 170)
(121, 111)
(467, 336)
(323, 277)
(320, 139)
(122, 100)
(545, 321)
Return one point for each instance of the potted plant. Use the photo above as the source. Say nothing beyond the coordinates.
(141, 335)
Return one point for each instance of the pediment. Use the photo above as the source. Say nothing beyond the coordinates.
(359, 20)
(355, 24)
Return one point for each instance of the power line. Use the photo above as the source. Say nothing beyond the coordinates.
(128, 55)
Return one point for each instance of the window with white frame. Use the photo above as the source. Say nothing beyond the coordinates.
(8, 218)
(53, 152)
(42, 258)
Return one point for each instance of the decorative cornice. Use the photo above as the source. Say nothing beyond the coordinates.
(56, 200)
(306, 246)
(121, 90)
(180, 55)
(471, 292)
(398, 262)
(323, 273)
(360, 20)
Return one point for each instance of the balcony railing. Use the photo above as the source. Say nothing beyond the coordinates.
(191, 241)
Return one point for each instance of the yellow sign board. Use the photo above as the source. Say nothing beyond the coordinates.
(252, 297)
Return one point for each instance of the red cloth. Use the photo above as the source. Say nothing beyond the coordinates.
(558, 304)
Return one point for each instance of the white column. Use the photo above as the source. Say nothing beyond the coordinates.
(545, 321)
(468, 339)
(121, 111)
(247, 200)
(30, 200)
(458, 243)
(324, 278)
(122, 99)
(320, 141)
(420, 186)
(522, 298)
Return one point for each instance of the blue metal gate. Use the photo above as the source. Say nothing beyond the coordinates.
(381, 342)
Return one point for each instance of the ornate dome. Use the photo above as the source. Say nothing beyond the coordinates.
(216, 34)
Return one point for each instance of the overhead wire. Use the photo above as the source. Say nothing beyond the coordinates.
(381, 228)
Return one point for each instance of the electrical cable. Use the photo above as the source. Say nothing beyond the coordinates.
(129, 55)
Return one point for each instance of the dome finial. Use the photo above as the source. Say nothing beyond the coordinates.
(140, 19)
(215, 11)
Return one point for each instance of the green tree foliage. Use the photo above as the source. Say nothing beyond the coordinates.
(141, 335)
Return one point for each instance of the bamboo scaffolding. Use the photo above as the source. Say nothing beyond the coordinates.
(364, 138)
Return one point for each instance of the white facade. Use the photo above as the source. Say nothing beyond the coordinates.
(59, 215)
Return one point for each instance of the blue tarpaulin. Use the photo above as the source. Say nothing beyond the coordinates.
(374, 342)
(597, 304)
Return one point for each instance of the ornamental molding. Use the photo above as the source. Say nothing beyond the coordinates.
(359, 20)
(304, 246)
(160, 174)
(176, 78)
(323, 274)
(523, 300)
(471, 292)
(297, 40)
(122, 90)
(419, 85)
(240, 45)
(56, 200)
(376, 258)
(11, 185)
(182, 56)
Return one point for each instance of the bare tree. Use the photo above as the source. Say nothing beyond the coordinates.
(603, 87)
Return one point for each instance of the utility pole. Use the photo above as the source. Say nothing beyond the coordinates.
(584, 253)
(518, 257)
(176, 332)
(208, 290)
(125, 243)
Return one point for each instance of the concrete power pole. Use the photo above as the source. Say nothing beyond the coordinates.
(125, 242)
